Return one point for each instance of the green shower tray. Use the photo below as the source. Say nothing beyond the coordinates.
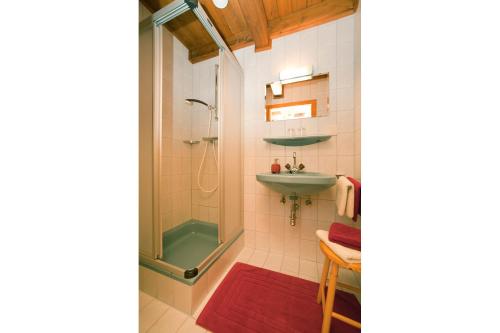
(298, 140)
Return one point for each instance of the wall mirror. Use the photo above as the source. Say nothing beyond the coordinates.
(297, 99)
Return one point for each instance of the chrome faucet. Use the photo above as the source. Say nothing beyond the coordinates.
(294, 169)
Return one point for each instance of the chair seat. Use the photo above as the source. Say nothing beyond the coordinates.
(345, 253)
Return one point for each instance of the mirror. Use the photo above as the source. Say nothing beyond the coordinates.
(296, 100)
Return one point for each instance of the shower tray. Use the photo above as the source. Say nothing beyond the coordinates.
(187, 244)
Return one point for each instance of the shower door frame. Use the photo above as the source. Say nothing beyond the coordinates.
(165, 14)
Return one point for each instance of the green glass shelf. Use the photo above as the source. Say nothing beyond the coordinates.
(298, 140)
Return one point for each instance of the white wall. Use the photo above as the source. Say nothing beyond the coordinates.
(328, 48)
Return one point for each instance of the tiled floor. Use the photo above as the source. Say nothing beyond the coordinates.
(156, 316)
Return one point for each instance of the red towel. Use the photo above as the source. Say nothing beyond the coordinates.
(344, 235)
(357, 198)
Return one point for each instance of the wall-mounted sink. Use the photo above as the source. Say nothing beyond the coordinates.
(302, 183)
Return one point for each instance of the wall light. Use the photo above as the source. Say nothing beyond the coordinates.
(296, 74)
(277, 88)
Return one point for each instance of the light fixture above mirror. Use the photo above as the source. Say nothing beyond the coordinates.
(296, 74)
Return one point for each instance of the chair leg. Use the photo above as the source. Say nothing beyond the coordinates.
(324, 274)
(330, 297)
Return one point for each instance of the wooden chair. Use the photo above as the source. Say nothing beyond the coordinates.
(328, 300)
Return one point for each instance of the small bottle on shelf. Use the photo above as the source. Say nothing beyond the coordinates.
(276, 167)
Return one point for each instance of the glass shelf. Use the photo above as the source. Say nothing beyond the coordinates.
(298, 140)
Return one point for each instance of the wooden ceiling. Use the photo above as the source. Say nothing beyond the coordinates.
(247, 22)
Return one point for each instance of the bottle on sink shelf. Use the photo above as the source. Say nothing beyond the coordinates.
(275, 167)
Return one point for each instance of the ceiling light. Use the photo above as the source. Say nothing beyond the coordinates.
(220, 3)
(296, 74)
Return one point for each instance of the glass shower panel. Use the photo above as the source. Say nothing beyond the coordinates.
(189, 181)
(231, 130)
(146, 52)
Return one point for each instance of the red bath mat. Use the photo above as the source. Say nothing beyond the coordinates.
(253, 299)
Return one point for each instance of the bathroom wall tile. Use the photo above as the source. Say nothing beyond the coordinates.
(309, 212)
(148, 281)
(308, 269)
(345, 99)
(249, 203)
(249, 184)
(262, 164)
(345, 29)
(261, 204)
(249, 166)
(165, 287)
(292, 246)
(345, 121)
(277, 228)
(330, 49)
(260, 188)
(262, 222)
(345, 143)
(250, 238)
(182, 297)
(275, 206)
(213, 215)
(345, 165)
(308, 229)
(308, 250)
(326, 210)
(199, 291)
(327, 164)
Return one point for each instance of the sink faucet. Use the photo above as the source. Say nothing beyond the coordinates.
(294, 169)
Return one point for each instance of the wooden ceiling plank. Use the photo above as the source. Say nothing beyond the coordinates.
(218, 17)
(236, 21)
(255, 16)
(317, 14)
(312, 2)
(271, 8)
(298, 5)
(284, 7)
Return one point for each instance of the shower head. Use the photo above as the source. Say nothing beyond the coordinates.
(211, 108)
(190, 101)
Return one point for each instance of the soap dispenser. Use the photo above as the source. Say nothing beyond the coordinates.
(275, 167)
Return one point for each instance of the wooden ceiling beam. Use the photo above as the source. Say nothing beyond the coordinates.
(255, 16)
(210, 50)
(317, 14)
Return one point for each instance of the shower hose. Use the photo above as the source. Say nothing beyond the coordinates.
(205, 155)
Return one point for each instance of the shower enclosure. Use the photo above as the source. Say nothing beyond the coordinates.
(190, 148)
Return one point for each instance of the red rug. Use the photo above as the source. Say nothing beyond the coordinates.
(253, 299)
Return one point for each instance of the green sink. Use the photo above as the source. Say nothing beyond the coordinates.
(302, 183)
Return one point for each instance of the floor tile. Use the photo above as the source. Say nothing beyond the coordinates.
(150, 314)
(258, 258)
(273, 262)
(189, 326)
(290, 264)
(244, 255)
(170, 322)
(144, 299)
